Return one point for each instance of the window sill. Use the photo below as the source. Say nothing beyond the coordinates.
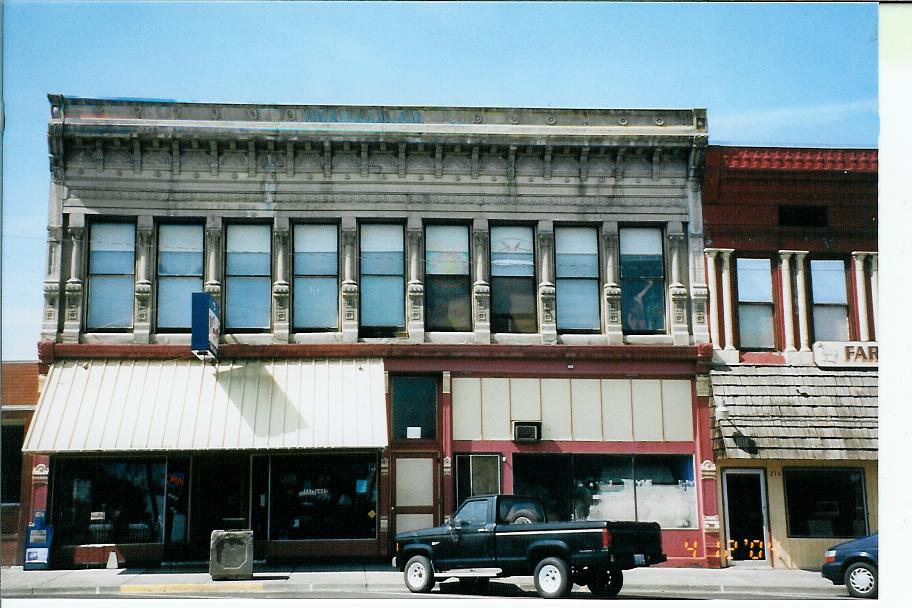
(516, 339)
(647, 339)
(450, 337)
(317, 337)
(125, 337)
(244, 338)
(169, 338)
(582, 339)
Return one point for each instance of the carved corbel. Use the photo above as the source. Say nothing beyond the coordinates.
(327, 159)
(40, 474)
(99, 155)
(289, 159)
(619, 163)
(475, 162)
(137, 155)
(401, 167)
(438, 160)
(56, 155)
(511, 163)
(213, 157)
(546, 166)
(656, 163)
(175, 157)
(364, 161)
(584, 163)
(251, 158)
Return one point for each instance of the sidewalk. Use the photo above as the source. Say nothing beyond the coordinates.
(379, 578)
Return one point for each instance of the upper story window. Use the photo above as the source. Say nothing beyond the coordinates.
(513, 306)
(248, 272)
(112, 248)
(414, 407)
(180, 273)
(831, 307)
(447, 285)
(382, 280)
(642, 280)
(576, 282)
(316, 277)
(755, 304)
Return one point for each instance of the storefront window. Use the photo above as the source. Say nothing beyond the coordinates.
(825, 503)
(323, 496)
(12, 463)
(596, 487)
(110, 501)
(477, 474)
(177, 500)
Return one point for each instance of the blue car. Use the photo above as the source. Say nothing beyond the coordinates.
(855, 564)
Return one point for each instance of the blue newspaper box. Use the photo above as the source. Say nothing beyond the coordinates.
(38, 543)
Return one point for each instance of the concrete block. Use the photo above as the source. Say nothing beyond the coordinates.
(231, 555)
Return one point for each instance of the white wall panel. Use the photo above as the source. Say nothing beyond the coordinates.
(495, 408)
(466, 393)
(413, 521)
(617, 413)
(677, 411)
(556, 409)
(525, 399)
(647, 410)
(586, 396)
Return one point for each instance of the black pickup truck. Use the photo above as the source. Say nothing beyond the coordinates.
(501, 535)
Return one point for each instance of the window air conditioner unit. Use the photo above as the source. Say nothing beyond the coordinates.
(526, 431)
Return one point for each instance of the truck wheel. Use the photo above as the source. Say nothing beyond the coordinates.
(861, 580)
(552, 578)
(606, 584)
(419, 574)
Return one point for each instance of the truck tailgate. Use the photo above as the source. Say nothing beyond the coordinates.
(631, 537)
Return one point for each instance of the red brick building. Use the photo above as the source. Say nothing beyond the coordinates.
(20, 385)
(791, 259)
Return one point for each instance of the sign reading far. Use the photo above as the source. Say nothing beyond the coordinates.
(205, 326)
(846, 354)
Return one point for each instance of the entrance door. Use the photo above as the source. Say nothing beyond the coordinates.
(219, 497)
(745, 514)
(414, 493)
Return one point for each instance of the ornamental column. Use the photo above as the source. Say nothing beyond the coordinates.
(802, 300)
(72, 323)
(677, 292)
(547, 295)
(280, 290)
(712, 281)
(415, 312)
(861, 296)
(213, 284)
(727, 321)
(481, 291)
(788, 320)
(142, 325)
(614, 330)
(349, 286)
(874, 308)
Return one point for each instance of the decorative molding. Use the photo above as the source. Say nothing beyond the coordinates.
(40, 474)
(708, 470)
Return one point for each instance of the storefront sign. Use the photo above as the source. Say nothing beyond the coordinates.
(846, 354)
(206, 326)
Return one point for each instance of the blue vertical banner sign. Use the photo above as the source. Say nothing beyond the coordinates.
(205, 326)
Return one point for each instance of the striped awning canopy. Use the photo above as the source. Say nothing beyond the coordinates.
(124, 405)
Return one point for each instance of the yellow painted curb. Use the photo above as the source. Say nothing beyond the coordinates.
(214, 587)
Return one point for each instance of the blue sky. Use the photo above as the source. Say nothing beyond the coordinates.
(769, 74)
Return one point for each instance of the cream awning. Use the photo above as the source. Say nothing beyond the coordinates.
(123, 405)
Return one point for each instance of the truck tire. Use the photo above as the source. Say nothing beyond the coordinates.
(861, 580)
(552, 578)
(419, 574)
(606, 584)
(522, 516)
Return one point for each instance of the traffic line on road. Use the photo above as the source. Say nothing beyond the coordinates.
(192, 588)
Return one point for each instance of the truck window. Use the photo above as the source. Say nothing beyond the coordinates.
(519, 510)
(473, 513)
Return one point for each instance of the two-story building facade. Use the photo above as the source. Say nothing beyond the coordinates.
(416, 305)
(791, 264)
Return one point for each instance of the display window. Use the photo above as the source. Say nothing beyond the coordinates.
(598, 487)
(825, 503)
